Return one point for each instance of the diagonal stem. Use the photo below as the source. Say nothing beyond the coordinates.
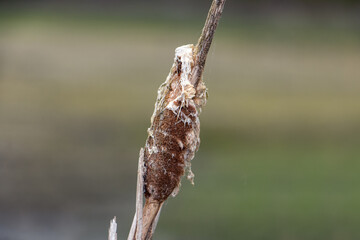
(206, 37)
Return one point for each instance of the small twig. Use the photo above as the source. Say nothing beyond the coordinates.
(139, 195)
(112, 229)
(206, 37)
(136, 226)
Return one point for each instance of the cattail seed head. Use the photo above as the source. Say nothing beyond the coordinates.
(174, 135)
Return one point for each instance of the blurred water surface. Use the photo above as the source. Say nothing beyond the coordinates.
(279, 157)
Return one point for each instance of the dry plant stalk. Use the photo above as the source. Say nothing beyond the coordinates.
(112, 230)
(174, 134)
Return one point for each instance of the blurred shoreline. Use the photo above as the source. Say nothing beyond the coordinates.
(280, 133)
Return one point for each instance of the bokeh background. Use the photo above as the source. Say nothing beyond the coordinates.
(280, 151)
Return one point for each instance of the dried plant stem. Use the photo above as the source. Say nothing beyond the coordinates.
(206, 37)
(150, 217)
(136, 226)
(112, 230)
(174, 134)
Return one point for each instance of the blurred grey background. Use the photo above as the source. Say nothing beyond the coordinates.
(280, 150)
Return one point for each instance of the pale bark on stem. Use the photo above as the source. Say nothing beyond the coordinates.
(112, 230)
(136, 226)
(155, 221)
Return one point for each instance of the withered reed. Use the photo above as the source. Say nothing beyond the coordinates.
(174, 134)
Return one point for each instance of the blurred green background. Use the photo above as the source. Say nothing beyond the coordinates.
(280, 151)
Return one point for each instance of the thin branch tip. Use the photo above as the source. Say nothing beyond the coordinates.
(203, 45)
